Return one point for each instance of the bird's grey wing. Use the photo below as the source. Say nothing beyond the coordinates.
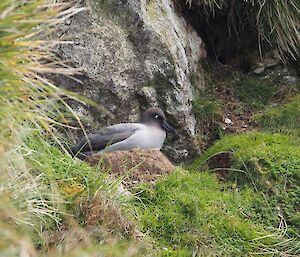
(106, 136)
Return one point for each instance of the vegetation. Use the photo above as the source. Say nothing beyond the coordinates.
(268, 162)
(276, 22)
(51, 204)
(283, 118)
(254, 92)
(255, 210)
(206, 108)
(241, 197)
(192, 213)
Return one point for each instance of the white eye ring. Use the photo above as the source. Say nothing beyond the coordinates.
(156, 116)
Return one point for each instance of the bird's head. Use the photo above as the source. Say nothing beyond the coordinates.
(155, 116)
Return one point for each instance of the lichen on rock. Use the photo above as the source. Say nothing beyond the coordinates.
(135, 54)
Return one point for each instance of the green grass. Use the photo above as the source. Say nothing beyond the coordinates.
(194, 213)
(254, 92)
(57, 197)
(80, 186)
(281, 118)
(256, 211)
(269, 163)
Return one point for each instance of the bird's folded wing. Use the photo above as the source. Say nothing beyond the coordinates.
(107, 136)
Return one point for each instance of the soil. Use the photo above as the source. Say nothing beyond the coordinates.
(220, 163)
(240, 121)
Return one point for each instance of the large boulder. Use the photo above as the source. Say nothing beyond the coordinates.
(134, 54)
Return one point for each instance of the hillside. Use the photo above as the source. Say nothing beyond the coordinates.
(227, 77)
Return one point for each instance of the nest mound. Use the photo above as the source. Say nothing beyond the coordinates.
(137, 165)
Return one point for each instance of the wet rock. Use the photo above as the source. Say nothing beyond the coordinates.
(134, 54)
(137, 165)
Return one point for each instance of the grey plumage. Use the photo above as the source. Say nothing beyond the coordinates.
(148, 134)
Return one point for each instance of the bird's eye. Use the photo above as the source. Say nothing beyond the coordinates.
(156, 116)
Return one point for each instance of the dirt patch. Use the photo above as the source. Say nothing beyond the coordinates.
(136, 166)
(220, 164)
(234, 119)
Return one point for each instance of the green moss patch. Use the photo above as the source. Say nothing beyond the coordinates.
(268, 163)
(194, 213)
(284, 118)
(253, 91)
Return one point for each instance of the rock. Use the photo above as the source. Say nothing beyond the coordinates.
(259, 70)
(134, 54)
(290, 79)
(137, 165)
(228, 121)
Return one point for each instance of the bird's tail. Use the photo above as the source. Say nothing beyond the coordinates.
(75, 151)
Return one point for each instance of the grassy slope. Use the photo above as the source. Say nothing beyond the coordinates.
(193, 212)
(91, 207)
(256, 211)
(50, 204)
(53, 205)
(283, 118)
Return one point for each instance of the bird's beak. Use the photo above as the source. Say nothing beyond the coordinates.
(168, 128)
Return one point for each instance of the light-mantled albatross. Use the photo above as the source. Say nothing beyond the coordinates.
(150, 133)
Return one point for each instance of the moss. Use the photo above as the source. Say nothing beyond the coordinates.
(254, 92)
(283, 118)
(204, 108)
(269, 163)
(187, 211)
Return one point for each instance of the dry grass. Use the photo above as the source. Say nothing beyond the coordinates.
(276, 22)
(25, 96)
(35, 191)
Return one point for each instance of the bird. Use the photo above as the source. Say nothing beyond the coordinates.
(149, 133)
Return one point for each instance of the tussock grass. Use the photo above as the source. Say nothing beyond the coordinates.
(45, 195)
(276, 22)
(25, 95)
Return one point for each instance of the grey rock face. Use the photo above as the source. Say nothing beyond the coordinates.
(134, 54)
